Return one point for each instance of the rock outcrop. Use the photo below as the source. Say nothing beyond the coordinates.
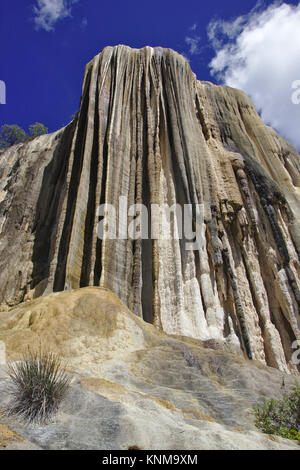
(133, 385)
(148, 131)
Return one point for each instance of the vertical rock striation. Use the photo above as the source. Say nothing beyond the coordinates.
(148, 131)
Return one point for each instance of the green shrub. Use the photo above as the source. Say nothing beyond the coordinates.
(280, 417)
(37, 129)
(11, 134)
(38, 384)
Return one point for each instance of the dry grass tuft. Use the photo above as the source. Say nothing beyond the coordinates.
(39, 382)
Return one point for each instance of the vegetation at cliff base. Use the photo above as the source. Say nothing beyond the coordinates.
(14, 134)
(280, 417)
(38, 383)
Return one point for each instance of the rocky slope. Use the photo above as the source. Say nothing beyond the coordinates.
(133, 385)
(149, 131)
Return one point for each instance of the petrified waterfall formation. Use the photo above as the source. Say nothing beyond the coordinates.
(149, 131)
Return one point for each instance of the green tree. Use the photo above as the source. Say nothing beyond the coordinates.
(11, 134)
(37, 129)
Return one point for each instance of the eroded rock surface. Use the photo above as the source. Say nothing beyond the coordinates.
(149, 131)
(133, 385)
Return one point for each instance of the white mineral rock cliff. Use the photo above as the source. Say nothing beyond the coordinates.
(149, 131)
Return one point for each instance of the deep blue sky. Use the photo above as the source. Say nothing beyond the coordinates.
(43, 70)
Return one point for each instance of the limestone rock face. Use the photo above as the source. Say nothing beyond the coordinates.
(149, 132)
(132, 384)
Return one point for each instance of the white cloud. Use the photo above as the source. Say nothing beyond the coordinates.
(193, 43)
(84, 23)
(260, 54)
(193, 27)
(48, 12)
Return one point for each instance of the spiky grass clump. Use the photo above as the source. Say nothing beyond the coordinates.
(38, 384)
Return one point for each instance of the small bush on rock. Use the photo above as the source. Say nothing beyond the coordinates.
(280, 417)
(38, 384)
